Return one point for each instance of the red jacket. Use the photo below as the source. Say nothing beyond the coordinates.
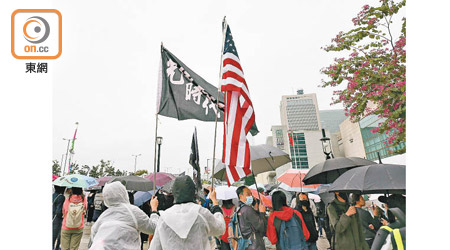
(285, 214)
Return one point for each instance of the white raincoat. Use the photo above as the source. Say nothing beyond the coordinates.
(119, 226)
(187, 226)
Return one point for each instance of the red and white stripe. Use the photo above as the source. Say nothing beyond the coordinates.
(239, 118)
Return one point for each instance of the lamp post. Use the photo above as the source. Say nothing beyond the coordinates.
(325, 143)
(159, 140)
(135, 161)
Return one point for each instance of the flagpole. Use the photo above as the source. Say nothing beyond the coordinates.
(73, 145)
(154, 158)
(67, 153)
(256, 185)
(217, 101)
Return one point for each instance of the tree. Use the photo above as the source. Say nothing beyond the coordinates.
(95, 172)
(108, 168)
(141, 172)
(84, 170)
(374, 71)
(56, 168)
(118, 173)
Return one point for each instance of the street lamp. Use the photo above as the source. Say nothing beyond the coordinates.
(159, 140)
(325, 143)
(135, 160)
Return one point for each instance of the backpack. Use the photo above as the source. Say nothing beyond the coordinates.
(227, 218)
(235, 238)
(290, 233)
(74, 215)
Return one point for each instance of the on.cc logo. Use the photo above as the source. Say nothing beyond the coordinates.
(36, 29)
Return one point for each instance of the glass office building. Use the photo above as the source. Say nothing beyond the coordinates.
(298, 151)
(374, 143)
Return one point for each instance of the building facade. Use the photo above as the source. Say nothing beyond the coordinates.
(359, 141)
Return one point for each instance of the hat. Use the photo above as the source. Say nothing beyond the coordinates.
(183, 189)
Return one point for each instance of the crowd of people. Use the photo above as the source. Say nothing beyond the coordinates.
(183, 219)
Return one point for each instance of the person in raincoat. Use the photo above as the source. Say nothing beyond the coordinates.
(187, 225)
(119, 226)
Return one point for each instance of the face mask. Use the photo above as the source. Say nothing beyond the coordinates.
(249, 200)
(305, 203)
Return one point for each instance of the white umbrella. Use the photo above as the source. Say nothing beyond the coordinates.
(314, 197)
(226, 193)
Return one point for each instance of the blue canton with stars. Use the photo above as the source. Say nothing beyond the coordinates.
(229, 46)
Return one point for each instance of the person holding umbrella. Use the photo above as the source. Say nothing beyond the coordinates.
(251, 222)
(74, 209)
(345, 225)
(369, 224)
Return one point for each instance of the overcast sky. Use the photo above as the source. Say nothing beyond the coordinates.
(106, 76)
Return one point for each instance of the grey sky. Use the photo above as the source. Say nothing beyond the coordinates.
(107, 74)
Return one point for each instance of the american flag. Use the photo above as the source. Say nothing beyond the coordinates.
(239, 114)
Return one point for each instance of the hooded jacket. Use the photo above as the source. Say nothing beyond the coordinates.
(187, 226)
(285, 214)
(118, 227)
(349, 234)
(65, 209)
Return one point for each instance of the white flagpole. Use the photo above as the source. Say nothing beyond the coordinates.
(224, 28)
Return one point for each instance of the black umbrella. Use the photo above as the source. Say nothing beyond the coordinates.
(134, 183)
(328, 171)
(372, 179)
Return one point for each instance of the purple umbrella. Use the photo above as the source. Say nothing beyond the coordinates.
(161, 178)
(103, 180)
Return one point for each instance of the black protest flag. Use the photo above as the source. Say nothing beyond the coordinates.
(182, 94)
(194, 160)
